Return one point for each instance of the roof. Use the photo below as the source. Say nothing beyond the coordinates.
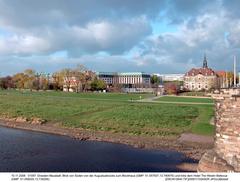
(132, 74)
(122, 74)
(221, 73)
(202, 71)
(106, 73)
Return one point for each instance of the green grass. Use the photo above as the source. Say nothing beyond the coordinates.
(203, 129)
(202, 126)
(107, 112)
(184, 99)
(96, 96)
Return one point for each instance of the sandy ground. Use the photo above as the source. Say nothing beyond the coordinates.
(189, 137)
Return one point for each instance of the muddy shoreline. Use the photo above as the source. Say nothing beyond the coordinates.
(193, 146)
(192, 149)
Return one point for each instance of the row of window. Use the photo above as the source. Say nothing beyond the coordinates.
(199, 78)
(193, 74)
(199, 86)
(127, 80)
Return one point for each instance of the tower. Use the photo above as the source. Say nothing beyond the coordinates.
(205, 62)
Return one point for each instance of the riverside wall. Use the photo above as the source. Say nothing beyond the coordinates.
(225, 156)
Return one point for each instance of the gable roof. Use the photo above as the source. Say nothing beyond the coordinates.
(202, 71)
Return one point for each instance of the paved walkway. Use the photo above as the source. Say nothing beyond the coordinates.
(154, 100)
(189, 137)
(150, 99)
(201, 97)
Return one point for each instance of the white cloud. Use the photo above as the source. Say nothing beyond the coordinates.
(113, 37)
(23, 44)
(120, 29)
(185, 48)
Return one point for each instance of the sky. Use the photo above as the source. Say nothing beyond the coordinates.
(153, 36)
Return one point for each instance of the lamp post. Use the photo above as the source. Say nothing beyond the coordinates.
(234, 72)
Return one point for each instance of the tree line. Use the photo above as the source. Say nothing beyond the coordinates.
(84, 80)
(77, 79)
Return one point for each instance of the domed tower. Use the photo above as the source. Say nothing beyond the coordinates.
(205, 62)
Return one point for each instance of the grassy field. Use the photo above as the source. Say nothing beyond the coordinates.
(108, 112)
(201, 124)
(184, 99)
(95, 96)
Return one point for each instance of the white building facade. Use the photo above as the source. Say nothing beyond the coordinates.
(171, 77)
(201, 78)
(128, 79)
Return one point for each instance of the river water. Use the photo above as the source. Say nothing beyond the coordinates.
(26, 151)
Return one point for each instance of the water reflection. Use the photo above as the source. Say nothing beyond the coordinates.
(27, 151)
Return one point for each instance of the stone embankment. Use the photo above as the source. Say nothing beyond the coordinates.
(225, 156)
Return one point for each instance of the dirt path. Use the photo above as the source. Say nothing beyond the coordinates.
(200, 97)
(150, 99)
(154, 100)
(169, 102)
(194, 138)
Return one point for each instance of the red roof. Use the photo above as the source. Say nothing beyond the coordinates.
(202, 71)
(221, 73)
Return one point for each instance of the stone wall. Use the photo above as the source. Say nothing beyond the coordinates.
(225, 155)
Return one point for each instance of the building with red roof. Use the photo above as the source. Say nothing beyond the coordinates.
(203, 78)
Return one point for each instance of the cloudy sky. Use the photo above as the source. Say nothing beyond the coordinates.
(155, 36)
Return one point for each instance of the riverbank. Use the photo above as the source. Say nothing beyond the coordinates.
(191, 148)
(28, 151)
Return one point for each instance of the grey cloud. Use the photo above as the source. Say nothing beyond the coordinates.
(231, 7)
(185, 48)
(180, 10)
(85, 28)
(35, 13)
(79, 27)
(113, 37)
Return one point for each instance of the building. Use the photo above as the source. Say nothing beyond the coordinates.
(73, 82)
(201, 78)
(127, 80)
(134, 79)
(171, 77)
(109, 78)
